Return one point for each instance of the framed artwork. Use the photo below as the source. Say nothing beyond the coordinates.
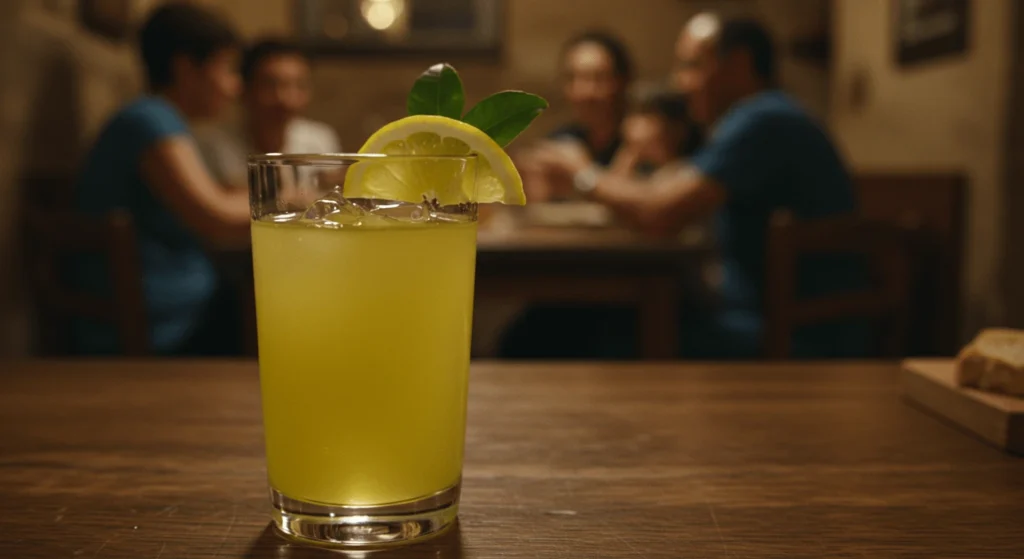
(927, 30)
(410, 27)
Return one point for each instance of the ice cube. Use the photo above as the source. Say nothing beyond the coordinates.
(400, 211)
(441, 216)
(335, 209)
(284, 217)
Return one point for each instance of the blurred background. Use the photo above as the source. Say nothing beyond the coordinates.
(899, 115)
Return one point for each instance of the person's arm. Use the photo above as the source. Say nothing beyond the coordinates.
(660, 207)
(736, 165)
(174, 171)
(637, 136)
(543, 167)
(535, 181)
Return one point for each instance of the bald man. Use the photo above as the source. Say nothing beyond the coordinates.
(764, 153)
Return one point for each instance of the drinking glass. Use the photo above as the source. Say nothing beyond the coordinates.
(364, 311)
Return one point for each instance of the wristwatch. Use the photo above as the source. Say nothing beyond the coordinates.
(585, 181)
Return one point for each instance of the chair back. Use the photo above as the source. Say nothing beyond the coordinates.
(52, 236)
(886, 298)
(936, 202)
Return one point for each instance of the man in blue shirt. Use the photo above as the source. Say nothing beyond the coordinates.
(145, 162)
(764, 153)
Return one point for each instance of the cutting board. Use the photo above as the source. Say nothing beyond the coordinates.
(995, 418)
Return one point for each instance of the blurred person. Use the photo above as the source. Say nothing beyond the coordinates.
(145, 161)
(277, 78)
(764, 153)
(596, 71)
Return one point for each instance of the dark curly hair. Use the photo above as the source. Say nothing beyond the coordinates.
(622, 62)
(181, 28)
(267, 48)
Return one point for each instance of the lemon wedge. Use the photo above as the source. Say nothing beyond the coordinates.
(449, 181)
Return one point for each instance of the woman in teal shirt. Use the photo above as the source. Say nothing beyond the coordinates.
(145, 162)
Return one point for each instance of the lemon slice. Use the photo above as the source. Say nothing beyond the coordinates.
(447, 181)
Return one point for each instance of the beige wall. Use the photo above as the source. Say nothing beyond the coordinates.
(944, 115)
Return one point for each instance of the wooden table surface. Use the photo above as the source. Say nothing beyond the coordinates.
(164, 460)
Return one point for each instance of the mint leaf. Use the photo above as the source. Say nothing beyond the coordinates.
(504, 115)
(438, 91)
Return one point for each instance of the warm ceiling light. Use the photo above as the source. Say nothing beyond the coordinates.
(381, 14)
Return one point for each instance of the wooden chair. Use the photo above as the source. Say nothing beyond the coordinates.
(53, 235)
(886, 298)
(935, 201)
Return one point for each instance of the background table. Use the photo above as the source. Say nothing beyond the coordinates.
(592, 267)
(164, 460)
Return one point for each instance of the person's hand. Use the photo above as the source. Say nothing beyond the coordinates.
(643, 139)
(565, 157)
(561, 161)
(625, 162)
(535, 181)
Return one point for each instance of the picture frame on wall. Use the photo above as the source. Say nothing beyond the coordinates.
(929, 30)
(401, 27)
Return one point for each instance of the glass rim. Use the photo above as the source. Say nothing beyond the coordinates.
(344, 158)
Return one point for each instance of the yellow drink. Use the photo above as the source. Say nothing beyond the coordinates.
(364, 337)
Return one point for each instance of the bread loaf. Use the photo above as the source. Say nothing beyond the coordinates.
(994, 361)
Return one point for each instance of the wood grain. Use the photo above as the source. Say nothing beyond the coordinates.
(996, 418)
(164, 460)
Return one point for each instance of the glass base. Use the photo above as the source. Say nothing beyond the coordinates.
(365, 527)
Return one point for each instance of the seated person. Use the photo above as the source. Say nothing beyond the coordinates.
(277, 90)
(596, 71)
(145, 162)
(765, 153)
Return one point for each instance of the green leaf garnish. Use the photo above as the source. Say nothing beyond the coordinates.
(438, 91)
(504, 115)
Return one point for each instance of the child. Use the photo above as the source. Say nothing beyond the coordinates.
(658, 135)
